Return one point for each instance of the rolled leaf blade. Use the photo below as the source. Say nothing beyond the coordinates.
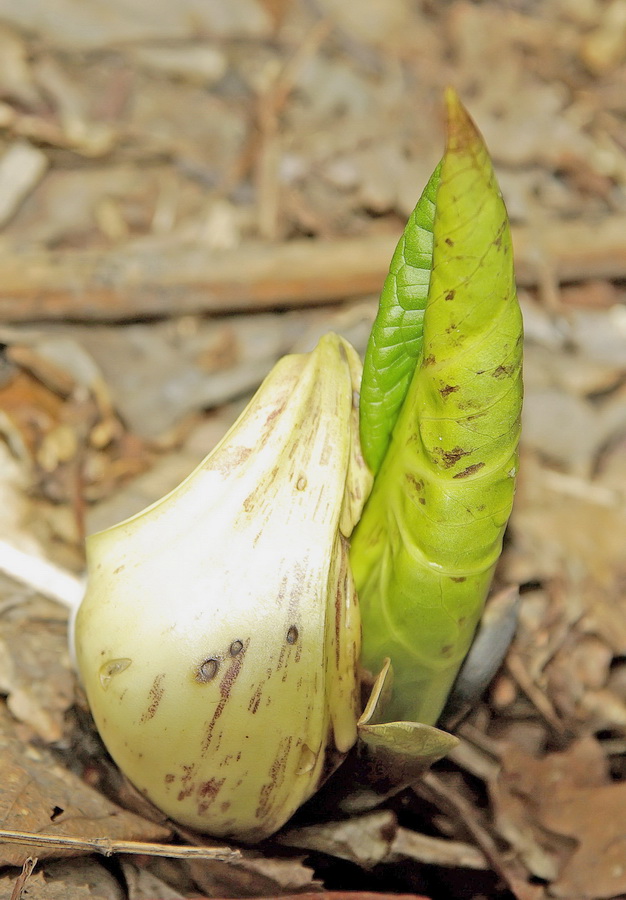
(424, 552)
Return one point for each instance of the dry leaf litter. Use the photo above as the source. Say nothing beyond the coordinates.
(187, 192)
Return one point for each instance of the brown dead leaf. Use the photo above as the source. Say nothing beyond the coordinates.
(565, 818)
(364, 840)
(78, 879)
(39, 795)
(29, 407)
(596, 818)
(35, 670)
(255, 875)
(142, 884)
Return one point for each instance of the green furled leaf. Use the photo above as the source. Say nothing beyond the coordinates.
(395, 342)
(425, 549)
(396, 753)
(388, 756)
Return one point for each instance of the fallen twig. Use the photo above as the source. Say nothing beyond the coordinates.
(433, 851)
(156, 277)
(22, 879)
(457, 807)
(538, 698)
(107, 846)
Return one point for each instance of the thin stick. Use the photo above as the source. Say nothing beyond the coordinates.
(457, 807)
(540, 701)
(107, 846)
(22, 879)
(435, 851)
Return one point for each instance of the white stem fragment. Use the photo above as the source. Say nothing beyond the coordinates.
(42, 575)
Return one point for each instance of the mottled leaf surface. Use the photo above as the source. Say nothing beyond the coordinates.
(424, 552)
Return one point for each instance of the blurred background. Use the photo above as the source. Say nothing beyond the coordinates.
(190, 190)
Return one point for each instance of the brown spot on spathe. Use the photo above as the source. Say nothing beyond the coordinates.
(459, 579)
(502, 371)
(187, 782)
(185, 792)
(450, 295)
(207, 792)
(471, 470)
(207, 670)
(449, 389)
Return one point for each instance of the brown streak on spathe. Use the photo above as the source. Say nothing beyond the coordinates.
(276, 777)
(225, 686)
(156, 695)
(274, 415)
(255, 700)
(339, 604)
(232, 671)
(228, 460)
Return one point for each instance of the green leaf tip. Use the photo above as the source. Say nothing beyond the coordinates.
(425, 549)
(462, 134)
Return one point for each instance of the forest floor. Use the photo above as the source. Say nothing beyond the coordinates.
(189, 191)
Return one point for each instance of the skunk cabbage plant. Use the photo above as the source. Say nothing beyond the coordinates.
(219, 637)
